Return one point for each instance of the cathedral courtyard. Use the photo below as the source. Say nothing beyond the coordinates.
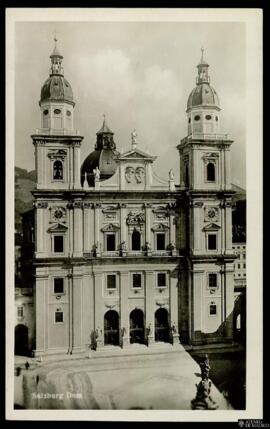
(134, 379)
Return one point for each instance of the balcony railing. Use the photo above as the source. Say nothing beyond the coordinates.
(129, 253)
(205, 136)
(55, 131)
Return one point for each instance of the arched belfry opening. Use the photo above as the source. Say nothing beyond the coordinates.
(211, 172)
(57, 170)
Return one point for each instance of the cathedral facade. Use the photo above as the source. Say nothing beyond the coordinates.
(121, 255)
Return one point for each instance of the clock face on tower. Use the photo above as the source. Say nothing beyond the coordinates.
(212, 213)
(58, 214)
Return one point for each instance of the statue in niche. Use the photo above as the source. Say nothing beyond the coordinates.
(139, 173)
(129, 172)
(97, 174)
(171, 174)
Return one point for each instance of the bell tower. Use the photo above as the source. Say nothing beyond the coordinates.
(206, 182)
(57, 143)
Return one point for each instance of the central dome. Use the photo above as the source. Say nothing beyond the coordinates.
(56, 88)
(104, 157)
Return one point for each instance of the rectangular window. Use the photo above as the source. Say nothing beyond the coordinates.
(59, 316)
(58, 287)
(136, 280)
(110, 242)
(213, 309)
(111, 281)
(58, 244)
(244, 256)
(161, 280)
(20, 312)
(244, 265)
(212, 242)
(212, 280)
(238, 266)
(160, 240)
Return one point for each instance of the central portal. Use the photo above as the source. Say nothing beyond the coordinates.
(136, 323)
(111, 328)
(162, 331)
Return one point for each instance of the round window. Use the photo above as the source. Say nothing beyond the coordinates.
(208, 117)
(45, 112)
(216, 118)
(57, 111)
(68, 113)
(197, 117)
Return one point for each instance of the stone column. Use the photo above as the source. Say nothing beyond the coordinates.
(76, 164)
(39, 164)
(96, 216)
(227, 169)
(197, 205)
(124, 313)
(148, 223)
(123, 226)
(70, 307)
(174, 308)
(40, 239)
(228, 233)
(77, 343)
(150, 305)
(98, 299)
(41, 298)
(70, 229)
(77, 228)
(172, 228)
(86, 227)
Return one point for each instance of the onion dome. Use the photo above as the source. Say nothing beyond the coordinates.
(104, 157)
(203, 94)
(56, 87)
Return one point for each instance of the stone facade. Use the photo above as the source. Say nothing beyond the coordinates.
(133, 258)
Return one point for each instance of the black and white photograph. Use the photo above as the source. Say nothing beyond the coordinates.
(133, 186)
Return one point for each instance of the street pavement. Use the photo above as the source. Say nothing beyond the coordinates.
(161, 379)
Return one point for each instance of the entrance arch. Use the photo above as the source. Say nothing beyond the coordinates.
(136, 326)
(21, 340)
(162, 331)
(111, 328)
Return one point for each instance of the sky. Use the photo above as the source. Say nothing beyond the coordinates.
(140, 75)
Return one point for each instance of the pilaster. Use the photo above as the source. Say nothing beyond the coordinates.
(150, 306)
(124, 314)
(98, 300)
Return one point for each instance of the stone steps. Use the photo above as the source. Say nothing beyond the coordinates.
(135, 350)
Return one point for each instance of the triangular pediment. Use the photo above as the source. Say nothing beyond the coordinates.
(58, 227)
(211, 227)
(110, 227)
(160, 227)
(136, 154)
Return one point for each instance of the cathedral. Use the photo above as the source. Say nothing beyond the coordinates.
(123, 256)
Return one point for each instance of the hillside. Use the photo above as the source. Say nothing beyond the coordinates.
(24, 184)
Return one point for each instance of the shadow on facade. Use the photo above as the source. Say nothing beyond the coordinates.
(21, 340)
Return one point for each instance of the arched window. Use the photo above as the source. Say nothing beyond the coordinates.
(211, 173)
(136, 240)
(57, 170)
